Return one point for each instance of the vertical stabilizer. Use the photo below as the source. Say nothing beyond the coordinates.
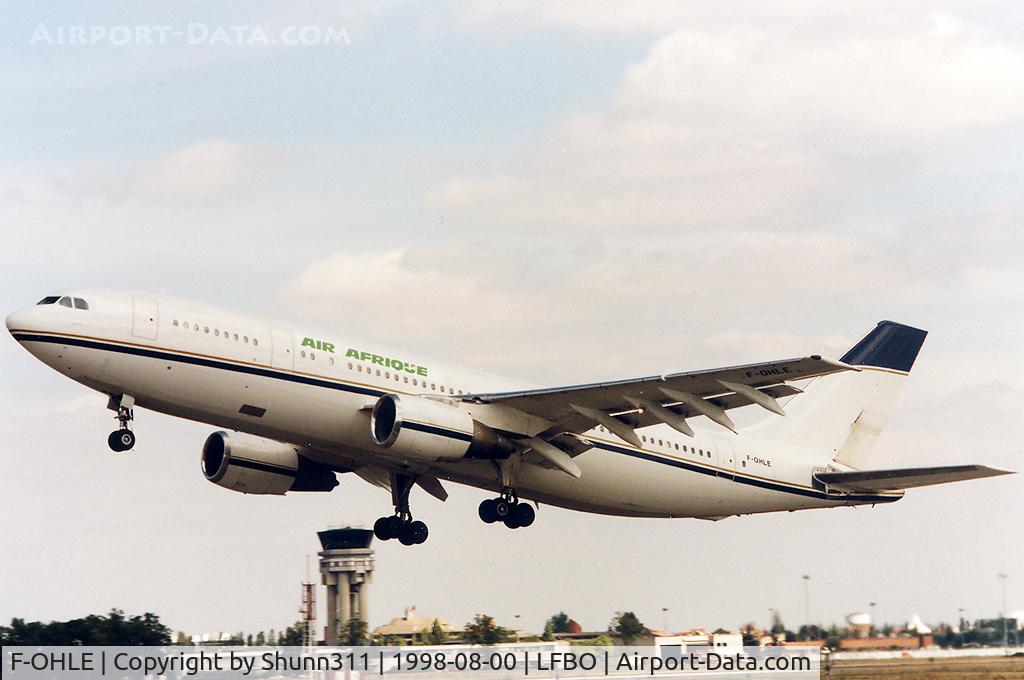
(843, 415)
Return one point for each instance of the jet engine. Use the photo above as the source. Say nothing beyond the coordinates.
(430, 430)
(261, 466)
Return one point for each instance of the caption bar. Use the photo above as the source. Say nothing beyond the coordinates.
(336, 663)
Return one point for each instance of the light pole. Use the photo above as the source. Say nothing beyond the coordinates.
(961, 612)
(807, 599)
(1002, 579)
(872, 604)
(664, 619)
(517, 627)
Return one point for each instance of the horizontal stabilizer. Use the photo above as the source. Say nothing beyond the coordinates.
(870, 481)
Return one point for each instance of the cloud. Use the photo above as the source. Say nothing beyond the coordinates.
(726, 125)
(207, 169)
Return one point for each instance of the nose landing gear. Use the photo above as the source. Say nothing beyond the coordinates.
(121, 439)
(401, 525)
(508, 510)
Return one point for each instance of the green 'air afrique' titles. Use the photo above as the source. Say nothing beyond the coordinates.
(380, 360)
(359, 355)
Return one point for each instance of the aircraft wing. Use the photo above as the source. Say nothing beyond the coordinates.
(872, 481)
(623, 405)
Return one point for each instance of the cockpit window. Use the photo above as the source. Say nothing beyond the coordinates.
(48, 300)
(81, 304)
(64, 301)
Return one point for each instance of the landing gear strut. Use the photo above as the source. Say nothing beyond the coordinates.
(121, 439)
(507, 509)
(401, 525)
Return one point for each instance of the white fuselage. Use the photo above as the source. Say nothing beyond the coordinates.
(313, 389)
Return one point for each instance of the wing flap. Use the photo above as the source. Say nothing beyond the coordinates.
(554, 402)
(869, 481)
(577, 408)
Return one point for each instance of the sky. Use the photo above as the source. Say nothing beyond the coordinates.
(558, 192)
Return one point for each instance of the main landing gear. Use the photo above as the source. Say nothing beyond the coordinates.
(401, 525)
(507, 509)
(121, 439)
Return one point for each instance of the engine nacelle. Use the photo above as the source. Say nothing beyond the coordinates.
(430, 430)
(261, 466)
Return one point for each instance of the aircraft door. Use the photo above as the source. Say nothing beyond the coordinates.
(145, 316)
(725, 458)
(281, 348)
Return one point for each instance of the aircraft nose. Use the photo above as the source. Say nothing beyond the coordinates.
(17, 319)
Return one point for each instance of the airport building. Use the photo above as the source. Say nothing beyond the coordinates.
(346, 569)
(408, 627)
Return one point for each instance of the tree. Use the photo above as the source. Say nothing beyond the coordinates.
(559, 623)
(777, 625)
(549, 632)
(293, 636)
(751, 636)
(627, 626)
(483, 631)
(436, 636)
(248, 640)
(182, 639)
(115, 629)
(602, 640)
(810, 632)
(355, 632)
(261, 639)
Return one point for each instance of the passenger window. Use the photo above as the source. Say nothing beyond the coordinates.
(64, 301)
(350, 365)
(378, 371)
(48, 300)
(303, 353)
(387, 374)
(174, 323)
(405, 379)
(236, 337)
(255, 342)
(331, 359)
(359, 368)
(415, 382)
(81, 304)
(312, 356)
(206, 329)
(216, 331)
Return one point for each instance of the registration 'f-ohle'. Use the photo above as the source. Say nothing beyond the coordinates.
(299, 407)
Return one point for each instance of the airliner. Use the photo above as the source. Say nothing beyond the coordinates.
(298, 406)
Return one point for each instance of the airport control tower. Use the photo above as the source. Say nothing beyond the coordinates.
(346, 568)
